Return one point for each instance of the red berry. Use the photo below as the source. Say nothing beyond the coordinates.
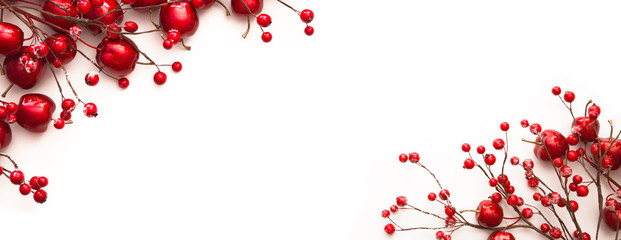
(577, 179)
(68, 104)
(174, 36)
(59, 123)
(123, 83)
(11, 107)
(385, 213)
(490, 159)
(266, 37)
(537, 196)
(264, 20)
(595, 108)
(535, 128)
(16, 177)
(307, 15)
(574, 205)
(493, 182)
(545, 227)
(469, 163)
(131, 26)
(24, 189)
(514, 161)
(11, 119)
(582, 191)
(524, 123)
(465, 147)
(444, 194)
(528, 164)
(496, 197)
(168, 44)
(504, 126)
(431, 196)
(558, 162)
(40, 196)
(90, 110)
(498, 144)
(34, 183)
(572, 155)
(449, 211)
(566, 171)
(91, 79)
(403, 158)
(84, 6)
(480, 149)
(593, 115)
(414, 157)
(65, 115)
(308, 30)
(4, 113)
(573, 187)
(42, 181)
(569, 96)
(439, 235)
(556, 90)
(533, 182)
(159, 78)
(527, 212)
(402, 201)
(512, 200)
(389, 228)
(393, 208)
(176, 66)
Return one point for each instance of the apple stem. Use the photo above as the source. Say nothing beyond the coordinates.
(248, 29)
(228, 13)
(7, 90)
(151, 18)
(185, 46)
(586, 108)
(529, 141)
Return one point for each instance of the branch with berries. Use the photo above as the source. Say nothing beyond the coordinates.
(556, 191)
(48, 41)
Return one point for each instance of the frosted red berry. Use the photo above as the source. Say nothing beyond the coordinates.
(403, 158)
(414, 157)
(402, 201)
(90, 110)
(504, 126)
(498, 144)
(91, 79)
(385, 213)
(59, 123)
(389, 228)
(524, 123)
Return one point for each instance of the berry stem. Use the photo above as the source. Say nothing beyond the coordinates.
(289, 6)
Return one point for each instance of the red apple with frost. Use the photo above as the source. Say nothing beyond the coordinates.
(612, 214)
(34, 112)
(255, 7)
(590, 128)
(501, 235)
(60, 7)
(489, 214)
(108, 13)
(22, 70)
(117, 56)
(179, 16)
(11, 39)
(62, 47)
(612, 151)
(5, 134)
(553, 145)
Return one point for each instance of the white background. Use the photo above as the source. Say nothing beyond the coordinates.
(299, 138)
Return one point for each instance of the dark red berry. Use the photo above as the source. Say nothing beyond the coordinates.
(123, 83)
(24, 189)
(40, 196)
(159, 78)
(176, 66)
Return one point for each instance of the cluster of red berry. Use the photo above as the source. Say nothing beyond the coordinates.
(55, 27)
(550, 147)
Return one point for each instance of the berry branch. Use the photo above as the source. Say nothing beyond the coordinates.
(549, 147)
(55, 28)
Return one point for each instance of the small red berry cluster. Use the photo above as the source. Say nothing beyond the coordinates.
(34, 186)
(563, 155)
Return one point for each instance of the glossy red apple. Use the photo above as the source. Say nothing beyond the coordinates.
(614, 151)
(65, 55)
(554, 145)
(590, 128)
(501, 235)
(23, 74)
(11, 38)
(117, 56)
(179, 16)
(34, 112)
(105, 14)
(612, 214)
(255, 6)
(63, 8)
(489, 214)
(5, 134)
